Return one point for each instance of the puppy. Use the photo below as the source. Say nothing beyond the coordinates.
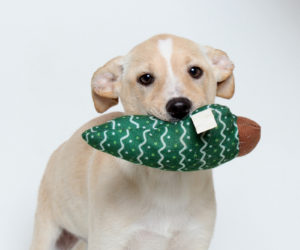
(91, 200)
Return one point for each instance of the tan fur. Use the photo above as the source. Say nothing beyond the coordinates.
(112, 204)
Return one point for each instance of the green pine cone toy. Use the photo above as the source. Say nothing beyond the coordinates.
(176, 146)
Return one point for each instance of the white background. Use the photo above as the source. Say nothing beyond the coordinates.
(49, 50)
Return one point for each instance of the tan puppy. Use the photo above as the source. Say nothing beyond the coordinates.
(110, 204)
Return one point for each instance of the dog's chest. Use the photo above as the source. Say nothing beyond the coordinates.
(166, 213)
(166, 208)
(159, 227)
(164, 223)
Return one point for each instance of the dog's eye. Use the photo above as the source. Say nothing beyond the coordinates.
(146, 79)
(195, 72)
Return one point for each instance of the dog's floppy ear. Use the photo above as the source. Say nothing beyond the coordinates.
(222, 69)
(106, 84)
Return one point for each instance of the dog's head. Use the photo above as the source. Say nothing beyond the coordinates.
(166, 76)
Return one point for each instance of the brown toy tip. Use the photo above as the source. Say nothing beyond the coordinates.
(249, 135)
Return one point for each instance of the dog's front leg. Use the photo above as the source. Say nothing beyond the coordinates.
(110, 206)
(110, 227)
(46, 231)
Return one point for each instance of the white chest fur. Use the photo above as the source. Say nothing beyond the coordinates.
(175, 205)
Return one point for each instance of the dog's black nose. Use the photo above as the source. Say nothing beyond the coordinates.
(178, 107)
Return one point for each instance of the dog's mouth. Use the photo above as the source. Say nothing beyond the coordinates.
(157, 116)
(167, 118)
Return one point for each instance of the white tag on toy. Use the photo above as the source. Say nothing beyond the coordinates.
(204, 121)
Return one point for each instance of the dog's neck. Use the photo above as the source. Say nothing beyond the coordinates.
(165, 187)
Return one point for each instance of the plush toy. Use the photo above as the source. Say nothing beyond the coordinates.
(208, 137)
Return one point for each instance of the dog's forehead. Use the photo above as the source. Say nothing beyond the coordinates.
(165, 46)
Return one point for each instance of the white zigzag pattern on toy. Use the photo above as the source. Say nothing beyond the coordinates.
(224, 137)
(113, 124)
(87, 137)
(140, 146)
(236, 135)
(155, 121)
(203, 147)
(184, 147)
(104, 140)
(162, 148)
(133, 122)
(203, 152)
(122, 144)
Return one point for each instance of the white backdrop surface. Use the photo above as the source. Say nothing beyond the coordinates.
(49, 50)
